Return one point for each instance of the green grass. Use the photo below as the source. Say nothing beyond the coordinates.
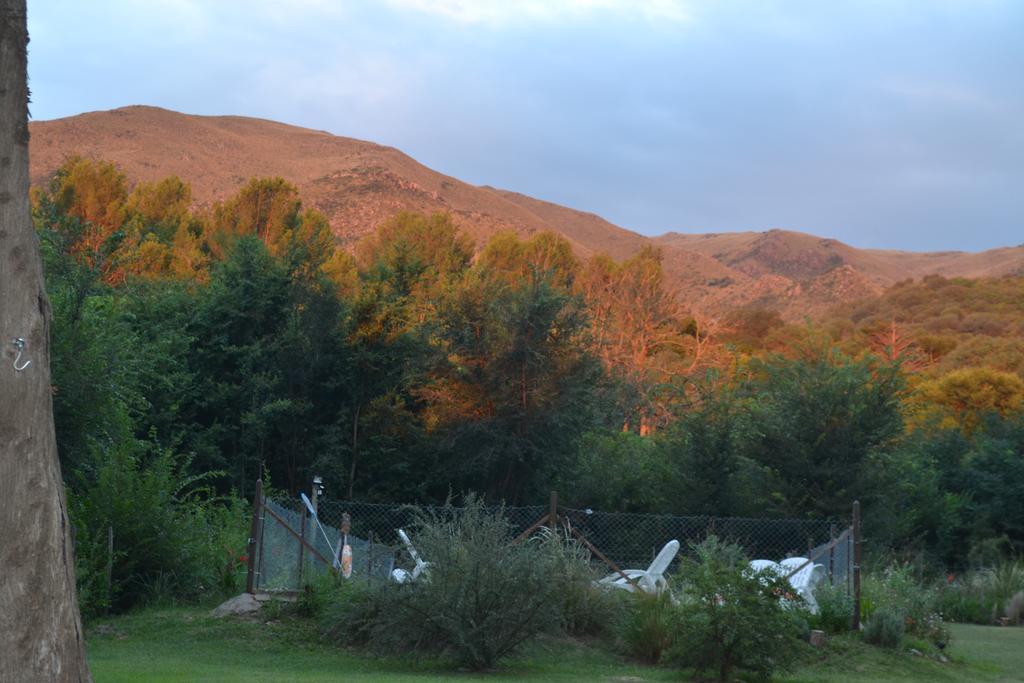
(185, 644)
(978, 653)
(996, 652)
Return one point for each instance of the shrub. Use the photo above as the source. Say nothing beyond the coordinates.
(1006, 579)
(963, 603)
(344, 609)
(171, 539)
(835, 608)
(1014, 609)
(983, 596)
(585, 609)
(895, 591)
(731, 617)
(649, 629)
(481, 597)
(885, 628)
(318, 593)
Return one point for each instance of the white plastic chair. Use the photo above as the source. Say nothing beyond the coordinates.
(651, 580)
(805, 579)
(401, 575)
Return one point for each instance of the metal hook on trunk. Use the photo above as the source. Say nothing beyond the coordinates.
(19, 344)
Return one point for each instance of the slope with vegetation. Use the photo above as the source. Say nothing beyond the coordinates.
(196, 350)
(357, 185)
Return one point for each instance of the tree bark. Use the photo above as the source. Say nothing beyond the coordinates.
(40, 627)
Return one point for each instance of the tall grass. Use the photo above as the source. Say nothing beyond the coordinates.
(985, 596)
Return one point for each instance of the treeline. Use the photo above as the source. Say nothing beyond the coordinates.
(240, 340)
(242, 336)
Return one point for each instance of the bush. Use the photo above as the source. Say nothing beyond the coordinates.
(963, 603)
(885, 628)
(984, 596)
(731, 617)
(896, 591)
(481, 597)
(345, 609)
(835, 609)
(319, 593)
(1014, 609)
(649, 629)
(171, 539)
(585, 609)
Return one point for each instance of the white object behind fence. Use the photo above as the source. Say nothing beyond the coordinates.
(651, 580)
(402, 576)
(802, 574)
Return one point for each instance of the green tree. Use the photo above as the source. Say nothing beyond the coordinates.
(427, 251)
(94, 353)
(963, 397)
(238, 319)
(516, 387)
(814, 424)
(545, 255)
(94, 192)
(706, 447)
(155, 213)
(640, 332)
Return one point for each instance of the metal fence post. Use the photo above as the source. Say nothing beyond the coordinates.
(856, 565)
(257, 502)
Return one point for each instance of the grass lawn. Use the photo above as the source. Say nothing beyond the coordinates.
(978, 653)
(183, 644)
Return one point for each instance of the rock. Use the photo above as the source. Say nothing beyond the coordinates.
(240, 605)
(817, 638)
(916, 653)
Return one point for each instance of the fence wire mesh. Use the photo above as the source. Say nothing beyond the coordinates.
(633, 540)
(291, 549)
(629, 540)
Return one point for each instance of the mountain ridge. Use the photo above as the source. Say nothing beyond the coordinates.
(358, 184)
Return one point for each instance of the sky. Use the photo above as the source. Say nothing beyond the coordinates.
(882, 123)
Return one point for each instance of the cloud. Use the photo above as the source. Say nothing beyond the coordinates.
(942, 94)
(501, 12)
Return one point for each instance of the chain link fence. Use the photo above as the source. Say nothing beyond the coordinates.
(290, 548)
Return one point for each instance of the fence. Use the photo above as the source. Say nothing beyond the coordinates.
(287, 548)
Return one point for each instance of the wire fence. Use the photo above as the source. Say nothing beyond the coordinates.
(290, 548)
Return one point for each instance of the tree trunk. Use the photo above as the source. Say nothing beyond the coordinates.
(40, 628)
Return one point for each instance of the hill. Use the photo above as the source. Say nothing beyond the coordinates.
(358, 184)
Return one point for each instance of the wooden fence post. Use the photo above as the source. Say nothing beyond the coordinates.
(257, 503)
(856, 565)
(553, 514)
